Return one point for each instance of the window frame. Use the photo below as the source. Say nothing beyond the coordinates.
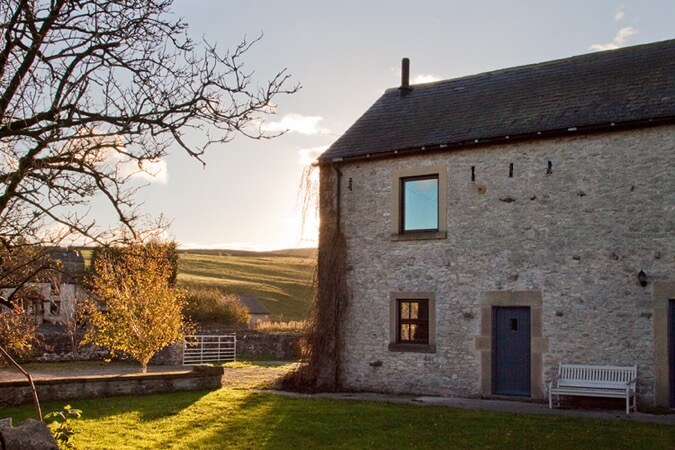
(399, 176)
(402, 205)
(395, 342)
(402, 322)
(55, 305)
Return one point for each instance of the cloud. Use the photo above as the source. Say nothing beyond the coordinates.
(619, 14)
(296, 123)
(152, 171)
(307, 156)
(619, 40)
(108, 152)
(425, 78)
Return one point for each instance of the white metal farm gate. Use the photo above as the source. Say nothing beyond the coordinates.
(198, 349)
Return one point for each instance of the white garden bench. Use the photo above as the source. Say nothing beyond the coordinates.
(595, 381)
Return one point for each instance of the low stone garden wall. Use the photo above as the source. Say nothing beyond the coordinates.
(200, 378)
(267, 344)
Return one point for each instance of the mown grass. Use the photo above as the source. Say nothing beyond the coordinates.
(244, 419)
(282, 283)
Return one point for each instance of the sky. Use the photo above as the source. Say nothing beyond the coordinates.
(345, 54)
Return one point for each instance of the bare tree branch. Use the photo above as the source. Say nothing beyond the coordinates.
(90, 90)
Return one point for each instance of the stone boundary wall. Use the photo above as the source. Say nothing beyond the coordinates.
(272, 344)
(200, 378)
(275, 344)
(58, 347)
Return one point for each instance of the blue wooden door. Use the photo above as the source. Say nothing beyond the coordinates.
(511, 351)
(671, 350)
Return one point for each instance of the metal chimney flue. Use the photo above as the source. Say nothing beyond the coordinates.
(405, 76)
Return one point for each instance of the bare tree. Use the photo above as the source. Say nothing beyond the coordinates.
(94, 91)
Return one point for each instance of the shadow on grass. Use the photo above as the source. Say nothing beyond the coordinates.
(145, 407)
(261, 420)
(241, 418)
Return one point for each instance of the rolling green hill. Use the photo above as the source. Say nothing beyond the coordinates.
(281, 280)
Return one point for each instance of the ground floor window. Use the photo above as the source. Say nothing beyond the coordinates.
(55, 307)
(413, 321)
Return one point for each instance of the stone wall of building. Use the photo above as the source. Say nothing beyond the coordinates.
(578, 236)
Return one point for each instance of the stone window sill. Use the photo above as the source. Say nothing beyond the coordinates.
(412, 348)
(421, 236)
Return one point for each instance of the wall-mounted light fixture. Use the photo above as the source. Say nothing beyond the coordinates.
(642, 278)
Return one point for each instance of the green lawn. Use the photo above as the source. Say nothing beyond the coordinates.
(282, 283)
(243, 419)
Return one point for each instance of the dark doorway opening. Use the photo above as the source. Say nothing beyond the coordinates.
(511, 351)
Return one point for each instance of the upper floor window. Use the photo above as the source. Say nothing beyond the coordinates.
(419, 203)
(54, 288)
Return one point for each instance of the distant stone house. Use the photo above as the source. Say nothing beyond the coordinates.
(257, 310)
(498, 224)
(59, 289)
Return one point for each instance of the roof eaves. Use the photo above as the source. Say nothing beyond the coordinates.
(492, 140)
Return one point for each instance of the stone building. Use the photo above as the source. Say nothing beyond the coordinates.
(58, 289)
(257, 311)
(498, 224)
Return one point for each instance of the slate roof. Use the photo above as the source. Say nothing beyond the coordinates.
(71, 266)
(626, 86)
(253, 305)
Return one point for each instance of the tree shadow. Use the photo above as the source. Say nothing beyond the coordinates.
(147, 407)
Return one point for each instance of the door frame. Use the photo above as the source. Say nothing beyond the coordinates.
(671, 349)
(538, 343)
(662, 293)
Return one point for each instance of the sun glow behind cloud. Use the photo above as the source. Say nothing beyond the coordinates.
(425, 78)
(305, 221)
(296, 123)
(307, 156)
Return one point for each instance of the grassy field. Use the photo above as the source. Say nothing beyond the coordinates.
(281, 281)
(240, 417)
